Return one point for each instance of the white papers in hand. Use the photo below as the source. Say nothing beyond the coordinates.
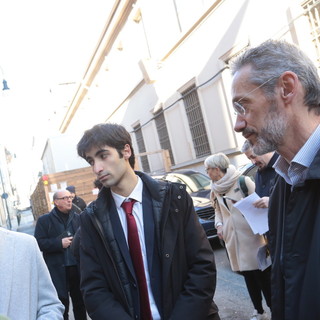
(257, 217)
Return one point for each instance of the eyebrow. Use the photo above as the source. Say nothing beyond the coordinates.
(239, 99)
(97, 154)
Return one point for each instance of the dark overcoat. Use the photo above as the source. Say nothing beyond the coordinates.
(49, 231)
(186, 262)
(294, 223)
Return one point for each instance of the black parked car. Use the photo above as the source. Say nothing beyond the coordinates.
(198, 186)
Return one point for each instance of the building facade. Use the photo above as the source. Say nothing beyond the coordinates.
(161, 68)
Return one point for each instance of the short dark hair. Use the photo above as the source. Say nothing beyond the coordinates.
(110, 134)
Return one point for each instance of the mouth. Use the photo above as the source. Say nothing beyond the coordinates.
(103, 177)
(248, 132)
(247, 135)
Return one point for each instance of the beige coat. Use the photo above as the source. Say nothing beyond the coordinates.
(242, 245)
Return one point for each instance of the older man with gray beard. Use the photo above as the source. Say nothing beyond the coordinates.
(276, 95)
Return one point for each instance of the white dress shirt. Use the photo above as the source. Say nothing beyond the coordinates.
(137, 212)
(296, 171)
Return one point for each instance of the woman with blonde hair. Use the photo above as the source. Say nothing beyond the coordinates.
(241, 243)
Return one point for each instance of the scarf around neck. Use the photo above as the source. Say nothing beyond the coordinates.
(223, 185)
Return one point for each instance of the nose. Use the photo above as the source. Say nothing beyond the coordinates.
(97, 167)
(240, 124)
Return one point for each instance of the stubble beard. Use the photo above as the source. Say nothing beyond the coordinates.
(272, 134)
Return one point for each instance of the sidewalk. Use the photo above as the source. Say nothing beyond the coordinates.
(27, 223)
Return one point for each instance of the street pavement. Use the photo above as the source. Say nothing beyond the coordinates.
(231, 295)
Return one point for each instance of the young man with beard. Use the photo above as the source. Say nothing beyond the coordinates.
(150, 261)
(276, 94)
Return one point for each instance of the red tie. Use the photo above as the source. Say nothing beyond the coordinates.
(136, 257)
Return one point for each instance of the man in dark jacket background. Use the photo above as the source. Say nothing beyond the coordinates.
(266, 175)
(276, 95)
(54, 232)
(78, 201)
(177, 277)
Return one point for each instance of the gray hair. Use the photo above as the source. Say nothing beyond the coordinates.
(246, 146)
(56, 194)
(274, 57)
(218, 160)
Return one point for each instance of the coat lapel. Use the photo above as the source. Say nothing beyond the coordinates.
(148, 222)
(119, 236)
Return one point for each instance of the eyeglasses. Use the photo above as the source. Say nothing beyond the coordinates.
(66, 198)
(239, 108)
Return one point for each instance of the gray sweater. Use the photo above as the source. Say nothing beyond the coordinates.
(26, 290)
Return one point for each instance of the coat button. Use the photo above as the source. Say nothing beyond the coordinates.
(176, 210)
(167, 255)
(179, 197)
(181, 187)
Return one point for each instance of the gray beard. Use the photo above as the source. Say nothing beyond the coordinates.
(271, 135)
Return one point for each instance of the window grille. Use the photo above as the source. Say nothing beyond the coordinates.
(141, 148)
(312, 10)
(196, 123)
(163, 133)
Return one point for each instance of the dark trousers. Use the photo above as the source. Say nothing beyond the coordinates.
(258, 282)
(73, 283)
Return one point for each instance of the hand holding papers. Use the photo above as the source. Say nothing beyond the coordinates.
(257, 217)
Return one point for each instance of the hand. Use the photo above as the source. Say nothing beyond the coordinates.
(262, 203)
(66, 242)
(220, 232)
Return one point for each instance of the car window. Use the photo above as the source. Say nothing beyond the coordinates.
(249, 170)
(202, 181)
(194, 182)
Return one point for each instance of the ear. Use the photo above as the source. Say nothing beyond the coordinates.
(289, 86)
(126, 152)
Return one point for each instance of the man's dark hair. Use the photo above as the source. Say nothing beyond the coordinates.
(106, 134)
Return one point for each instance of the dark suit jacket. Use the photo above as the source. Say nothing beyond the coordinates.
(151, 249)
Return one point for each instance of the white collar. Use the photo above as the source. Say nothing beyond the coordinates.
(136, 194)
